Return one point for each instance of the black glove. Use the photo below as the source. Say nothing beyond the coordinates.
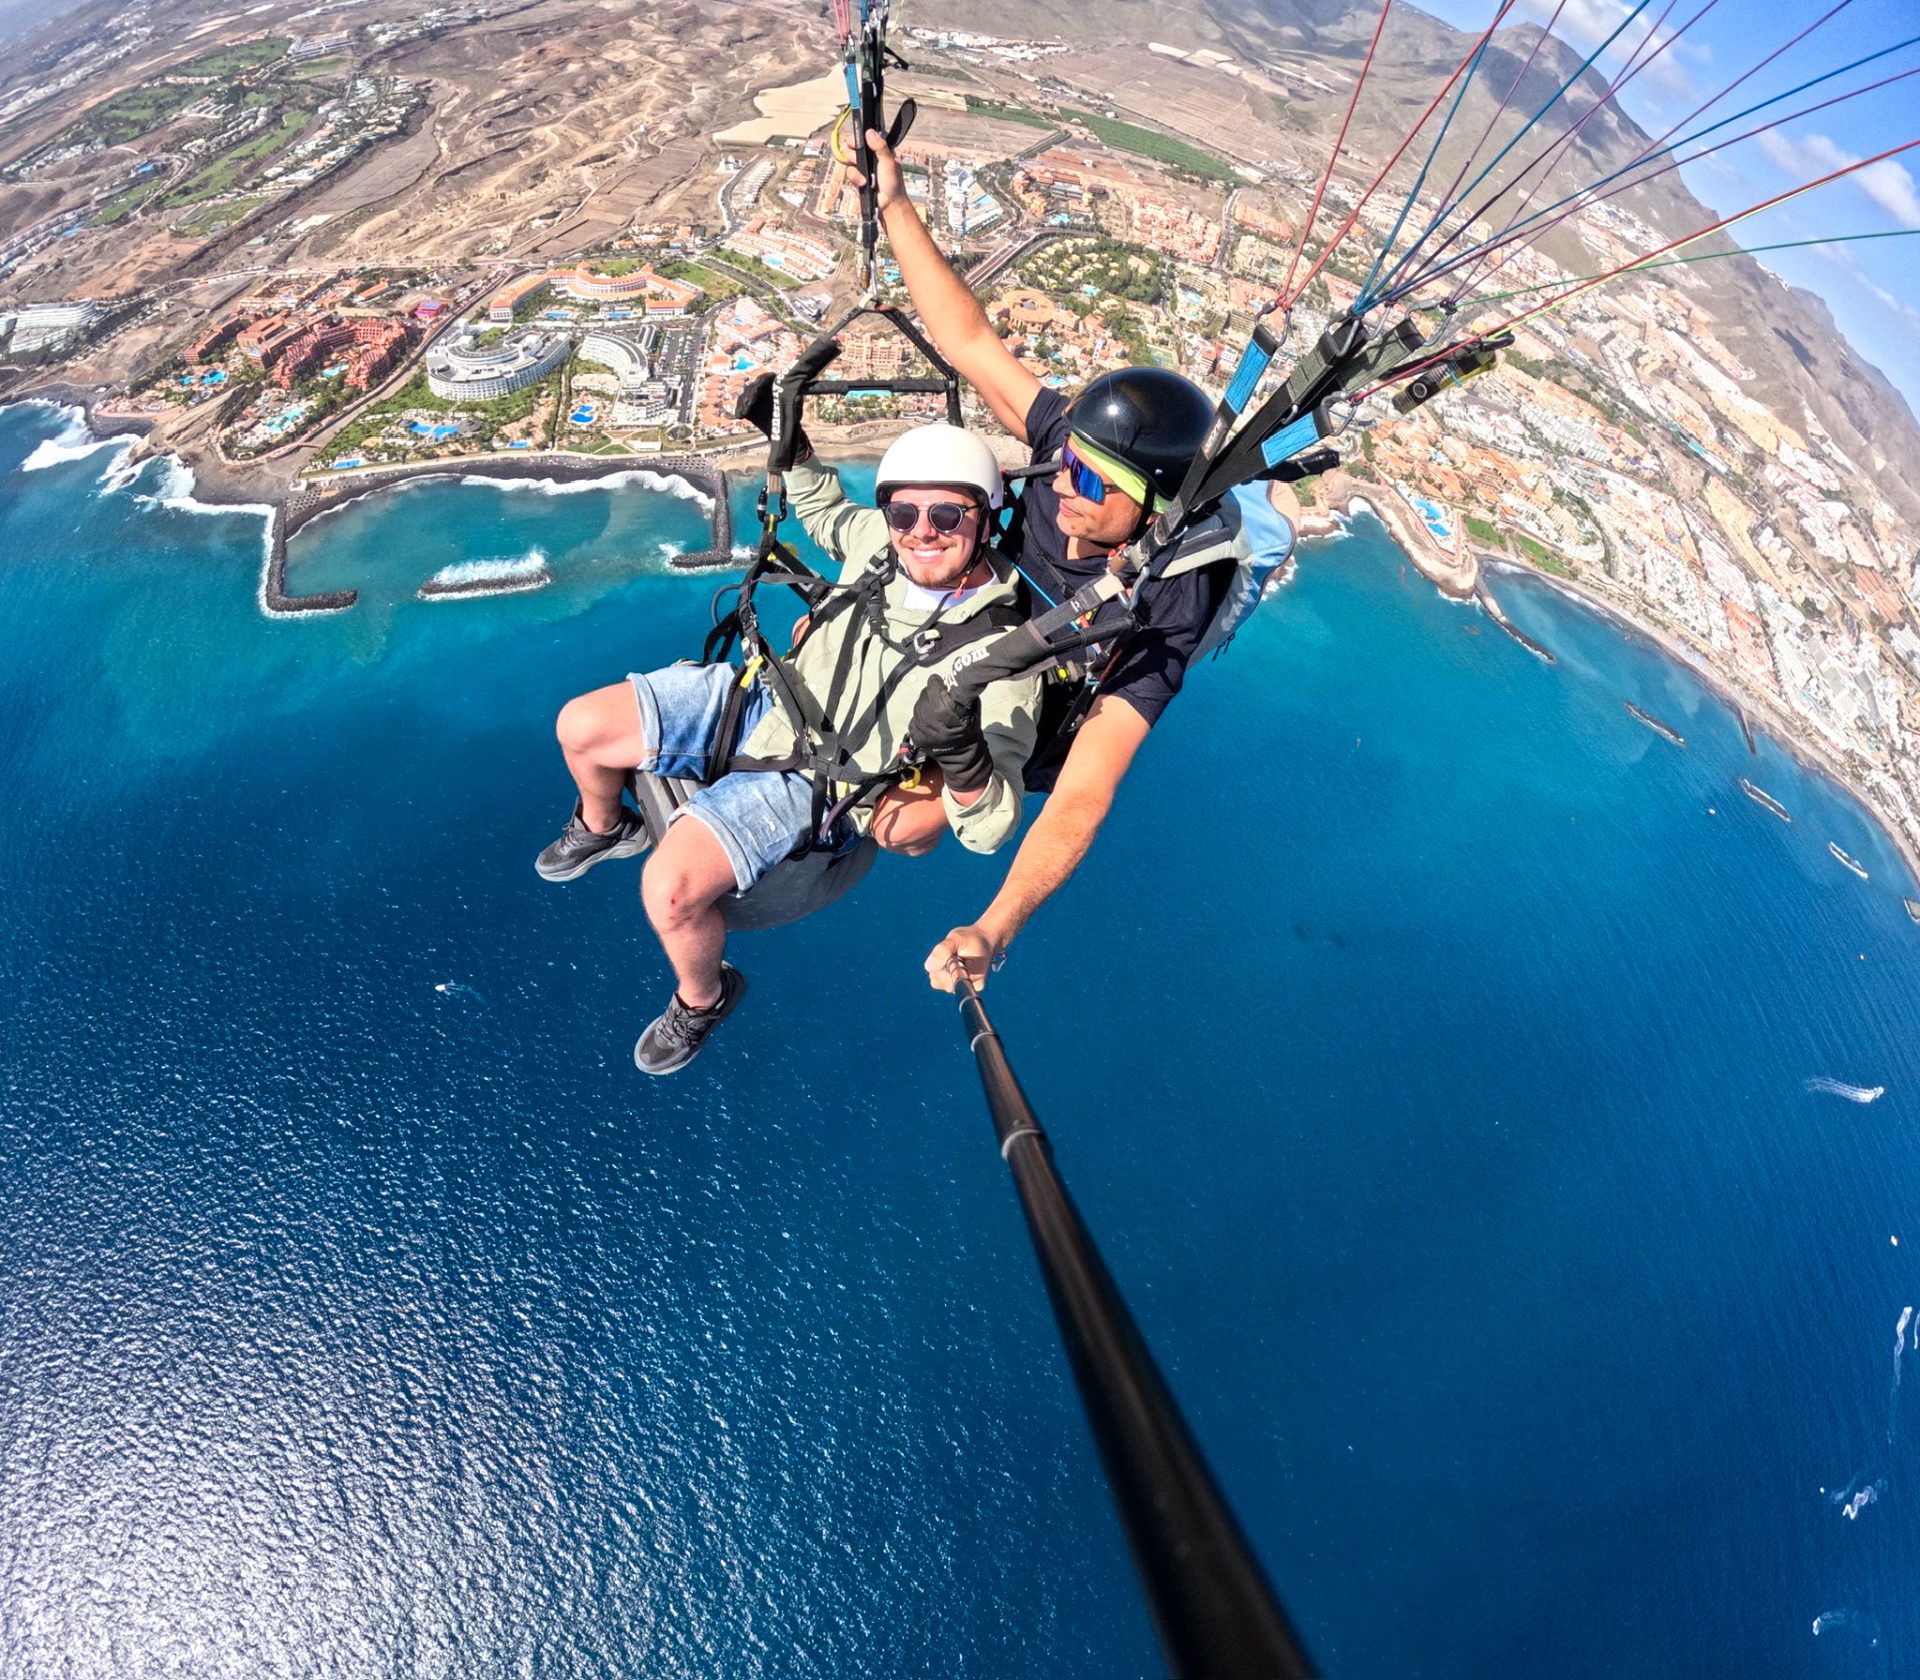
(946, 727)
(755, 405)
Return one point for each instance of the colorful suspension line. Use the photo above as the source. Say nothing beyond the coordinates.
(1526, 233)
(1649, 263)
(1289, 298)
(1458, 346)
(1665, 142)
(1413, 196)
(1367, 298)
(1555, 151)
(1333, 157)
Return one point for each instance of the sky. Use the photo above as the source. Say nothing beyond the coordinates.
(1704, 46)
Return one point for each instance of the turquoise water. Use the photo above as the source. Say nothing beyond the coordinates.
(1427, 1041)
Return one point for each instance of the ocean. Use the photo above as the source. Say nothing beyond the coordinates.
(1437, 1053)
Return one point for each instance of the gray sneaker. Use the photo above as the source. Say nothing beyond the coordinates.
(578, 849)
(680, 1034)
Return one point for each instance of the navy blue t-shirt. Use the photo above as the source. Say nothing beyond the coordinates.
(1173, 612)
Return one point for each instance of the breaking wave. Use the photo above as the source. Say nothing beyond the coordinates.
(667, 484)
(1899, 1347)
(526, 571)
(75, 442)
(1840, 1088)
(173, 485)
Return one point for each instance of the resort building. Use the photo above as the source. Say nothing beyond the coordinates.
(468, 371)
(216, 338)
(503, 303)
(371, 349)
(798, 254)
(40, 325)
(266, 338)
(629, 354)
(661, 296)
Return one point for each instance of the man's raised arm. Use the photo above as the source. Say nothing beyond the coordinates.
(951, 313)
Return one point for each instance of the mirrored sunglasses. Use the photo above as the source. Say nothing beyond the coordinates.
(1088, 485)
(944, 517)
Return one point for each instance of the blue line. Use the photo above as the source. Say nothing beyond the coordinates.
(1507, 234)
(1586, 65)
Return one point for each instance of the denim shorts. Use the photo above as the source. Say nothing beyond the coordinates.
(759, 816)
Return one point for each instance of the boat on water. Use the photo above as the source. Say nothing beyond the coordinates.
(1913, 908)
(1653, 723)
(1760, 796)
(1852, 863)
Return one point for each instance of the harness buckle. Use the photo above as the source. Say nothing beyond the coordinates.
(926, 642)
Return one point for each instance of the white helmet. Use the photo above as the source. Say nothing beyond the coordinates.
(940, 457)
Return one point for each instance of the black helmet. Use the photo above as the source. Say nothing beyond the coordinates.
(1151, 418)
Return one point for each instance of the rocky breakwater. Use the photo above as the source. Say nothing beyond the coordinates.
(334, 490)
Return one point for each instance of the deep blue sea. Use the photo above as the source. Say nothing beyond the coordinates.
(1427, 1042)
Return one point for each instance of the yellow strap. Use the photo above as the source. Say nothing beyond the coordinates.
(840, 155)
(752, 670)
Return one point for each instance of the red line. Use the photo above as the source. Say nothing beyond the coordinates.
(1340, 140)
(1454, 349)
(1290, 295)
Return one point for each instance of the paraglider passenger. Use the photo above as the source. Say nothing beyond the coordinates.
(878, 676)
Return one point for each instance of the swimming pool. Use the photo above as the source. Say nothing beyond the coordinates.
(1437, 521)
(436, 434)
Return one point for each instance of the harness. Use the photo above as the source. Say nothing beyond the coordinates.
(827, 747)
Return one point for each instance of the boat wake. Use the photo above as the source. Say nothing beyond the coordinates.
(1899, 1347)
(1840, 1088)
(1857, 1623)
(1856, 1496)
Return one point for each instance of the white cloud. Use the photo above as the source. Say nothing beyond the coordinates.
(1841, 256)
(1887, 182)
(1589, 22)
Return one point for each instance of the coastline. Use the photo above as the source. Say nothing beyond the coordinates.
(1775, 723)
(1463, 575)
(1459, 572)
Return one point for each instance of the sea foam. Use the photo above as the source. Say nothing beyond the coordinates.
(74, 442)
(666, 484)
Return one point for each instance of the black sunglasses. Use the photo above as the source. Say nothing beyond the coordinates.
(944, 517)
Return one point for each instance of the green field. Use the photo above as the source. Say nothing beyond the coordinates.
(231, 61)
(318, 69)
(1542, 556)
(1162, 148)
(228, 211)
(225, 172)
(714, 287)
(1006, 113)
(1487, 536)
(753, 268)
(127, 116)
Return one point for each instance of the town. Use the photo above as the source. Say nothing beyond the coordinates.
(1618, 447)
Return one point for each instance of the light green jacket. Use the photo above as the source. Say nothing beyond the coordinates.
(856, 537)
